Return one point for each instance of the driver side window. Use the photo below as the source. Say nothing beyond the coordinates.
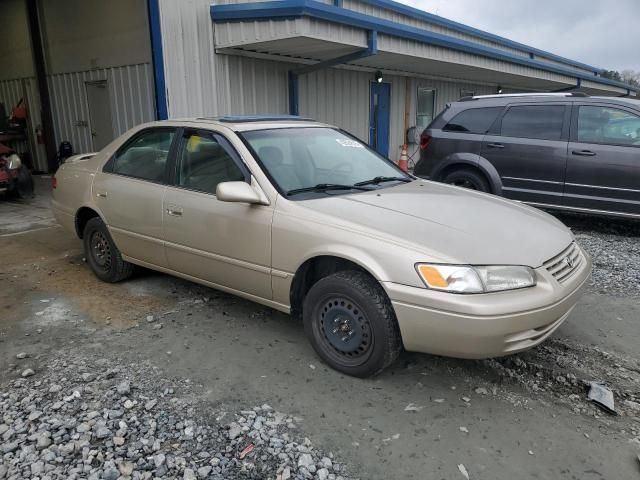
(204, 162)
(608, 126)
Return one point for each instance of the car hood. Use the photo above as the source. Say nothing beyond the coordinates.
(451, 224)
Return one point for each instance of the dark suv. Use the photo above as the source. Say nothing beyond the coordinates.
(556, 150)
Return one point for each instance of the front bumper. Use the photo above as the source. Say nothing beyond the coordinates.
(486, 325)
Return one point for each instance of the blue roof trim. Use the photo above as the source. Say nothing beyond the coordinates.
(158, 60)
(461, 27)
(283, 9)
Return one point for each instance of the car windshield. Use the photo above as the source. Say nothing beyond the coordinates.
(313, 160)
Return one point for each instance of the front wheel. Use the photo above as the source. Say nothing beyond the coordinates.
(467, 178)
(101, 253)
(351, 323)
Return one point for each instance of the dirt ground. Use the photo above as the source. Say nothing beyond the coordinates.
(525, 416)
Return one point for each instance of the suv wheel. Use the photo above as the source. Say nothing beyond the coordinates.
(467, 178)
(101, 253)
(351, 323)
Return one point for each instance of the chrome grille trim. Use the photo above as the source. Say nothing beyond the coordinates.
(558, 266)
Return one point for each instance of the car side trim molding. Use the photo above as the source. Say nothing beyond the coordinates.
(221, 258)
(264, 301)
(603, 188)
(583, 210)
(532, 180)
(135, 235)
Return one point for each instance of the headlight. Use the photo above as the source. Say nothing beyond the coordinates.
(482, 279)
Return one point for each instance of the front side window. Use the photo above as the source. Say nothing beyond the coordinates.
(608, 125)
(304, 157)
(204, 162)
(474, 120)
(145, 156)
(543, 122)
(425, 108)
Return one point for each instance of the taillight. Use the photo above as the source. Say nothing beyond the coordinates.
(54, 182)
(425, 140)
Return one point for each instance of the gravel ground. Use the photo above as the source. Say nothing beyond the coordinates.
(88, 417)
(615, 248)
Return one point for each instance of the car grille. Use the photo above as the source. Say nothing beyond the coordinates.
(565, 263)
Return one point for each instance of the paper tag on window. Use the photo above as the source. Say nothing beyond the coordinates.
(349, 143)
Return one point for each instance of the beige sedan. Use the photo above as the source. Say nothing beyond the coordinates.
(306, 219)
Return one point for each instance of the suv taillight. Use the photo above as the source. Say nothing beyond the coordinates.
(425, 140)
(54, 182)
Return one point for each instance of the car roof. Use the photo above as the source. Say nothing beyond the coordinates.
(244, 123)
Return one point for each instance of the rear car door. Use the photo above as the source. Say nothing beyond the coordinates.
(227, 244)
(129, 192)
(528, 148)
(603, 168)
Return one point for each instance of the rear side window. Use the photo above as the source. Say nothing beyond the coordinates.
(145, 156)
(543, 122)
(474, 120)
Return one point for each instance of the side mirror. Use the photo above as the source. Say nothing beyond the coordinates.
(237, 192)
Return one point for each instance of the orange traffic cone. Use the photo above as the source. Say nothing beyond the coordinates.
(403, 163)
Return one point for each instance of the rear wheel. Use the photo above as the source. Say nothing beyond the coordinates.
(102, 255)
(351, 323)
(467, 178)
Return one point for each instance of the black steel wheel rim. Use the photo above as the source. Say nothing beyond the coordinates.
(343, 330)
(100, 250)
(465, 183)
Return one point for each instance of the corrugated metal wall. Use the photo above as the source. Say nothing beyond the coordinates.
(201, 83)
(131, 93)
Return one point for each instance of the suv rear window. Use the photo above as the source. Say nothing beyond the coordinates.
(474, 120)
(543, 122)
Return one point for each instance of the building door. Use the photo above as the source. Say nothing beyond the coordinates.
(379, 115)
(99, 114)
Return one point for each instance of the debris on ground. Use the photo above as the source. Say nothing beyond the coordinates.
(94, 417)
(412, 407)
(602, 396)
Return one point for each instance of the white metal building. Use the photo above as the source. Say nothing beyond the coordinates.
(373, 67)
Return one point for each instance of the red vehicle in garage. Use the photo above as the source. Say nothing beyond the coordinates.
(15, 178)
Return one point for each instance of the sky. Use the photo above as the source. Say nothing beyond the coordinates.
(600, 33)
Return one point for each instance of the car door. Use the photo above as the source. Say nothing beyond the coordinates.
(603, 168)
(528, 148)
(129, 192)
(227, 244)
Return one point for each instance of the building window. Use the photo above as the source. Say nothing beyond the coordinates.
(467, 93)
(425, 109)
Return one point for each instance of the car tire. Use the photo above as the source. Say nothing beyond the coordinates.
(351, 323)
(467, 178)
(102, 255)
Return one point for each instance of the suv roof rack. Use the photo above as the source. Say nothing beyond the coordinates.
(257, 118)
(516, 95)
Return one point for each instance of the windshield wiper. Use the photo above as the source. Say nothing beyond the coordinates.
(323, 187)
(377, 180)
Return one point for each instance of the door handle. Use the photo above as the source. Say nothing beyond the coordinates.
(101, 194)
(495, 145)
(584, 153)
(174, 211)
